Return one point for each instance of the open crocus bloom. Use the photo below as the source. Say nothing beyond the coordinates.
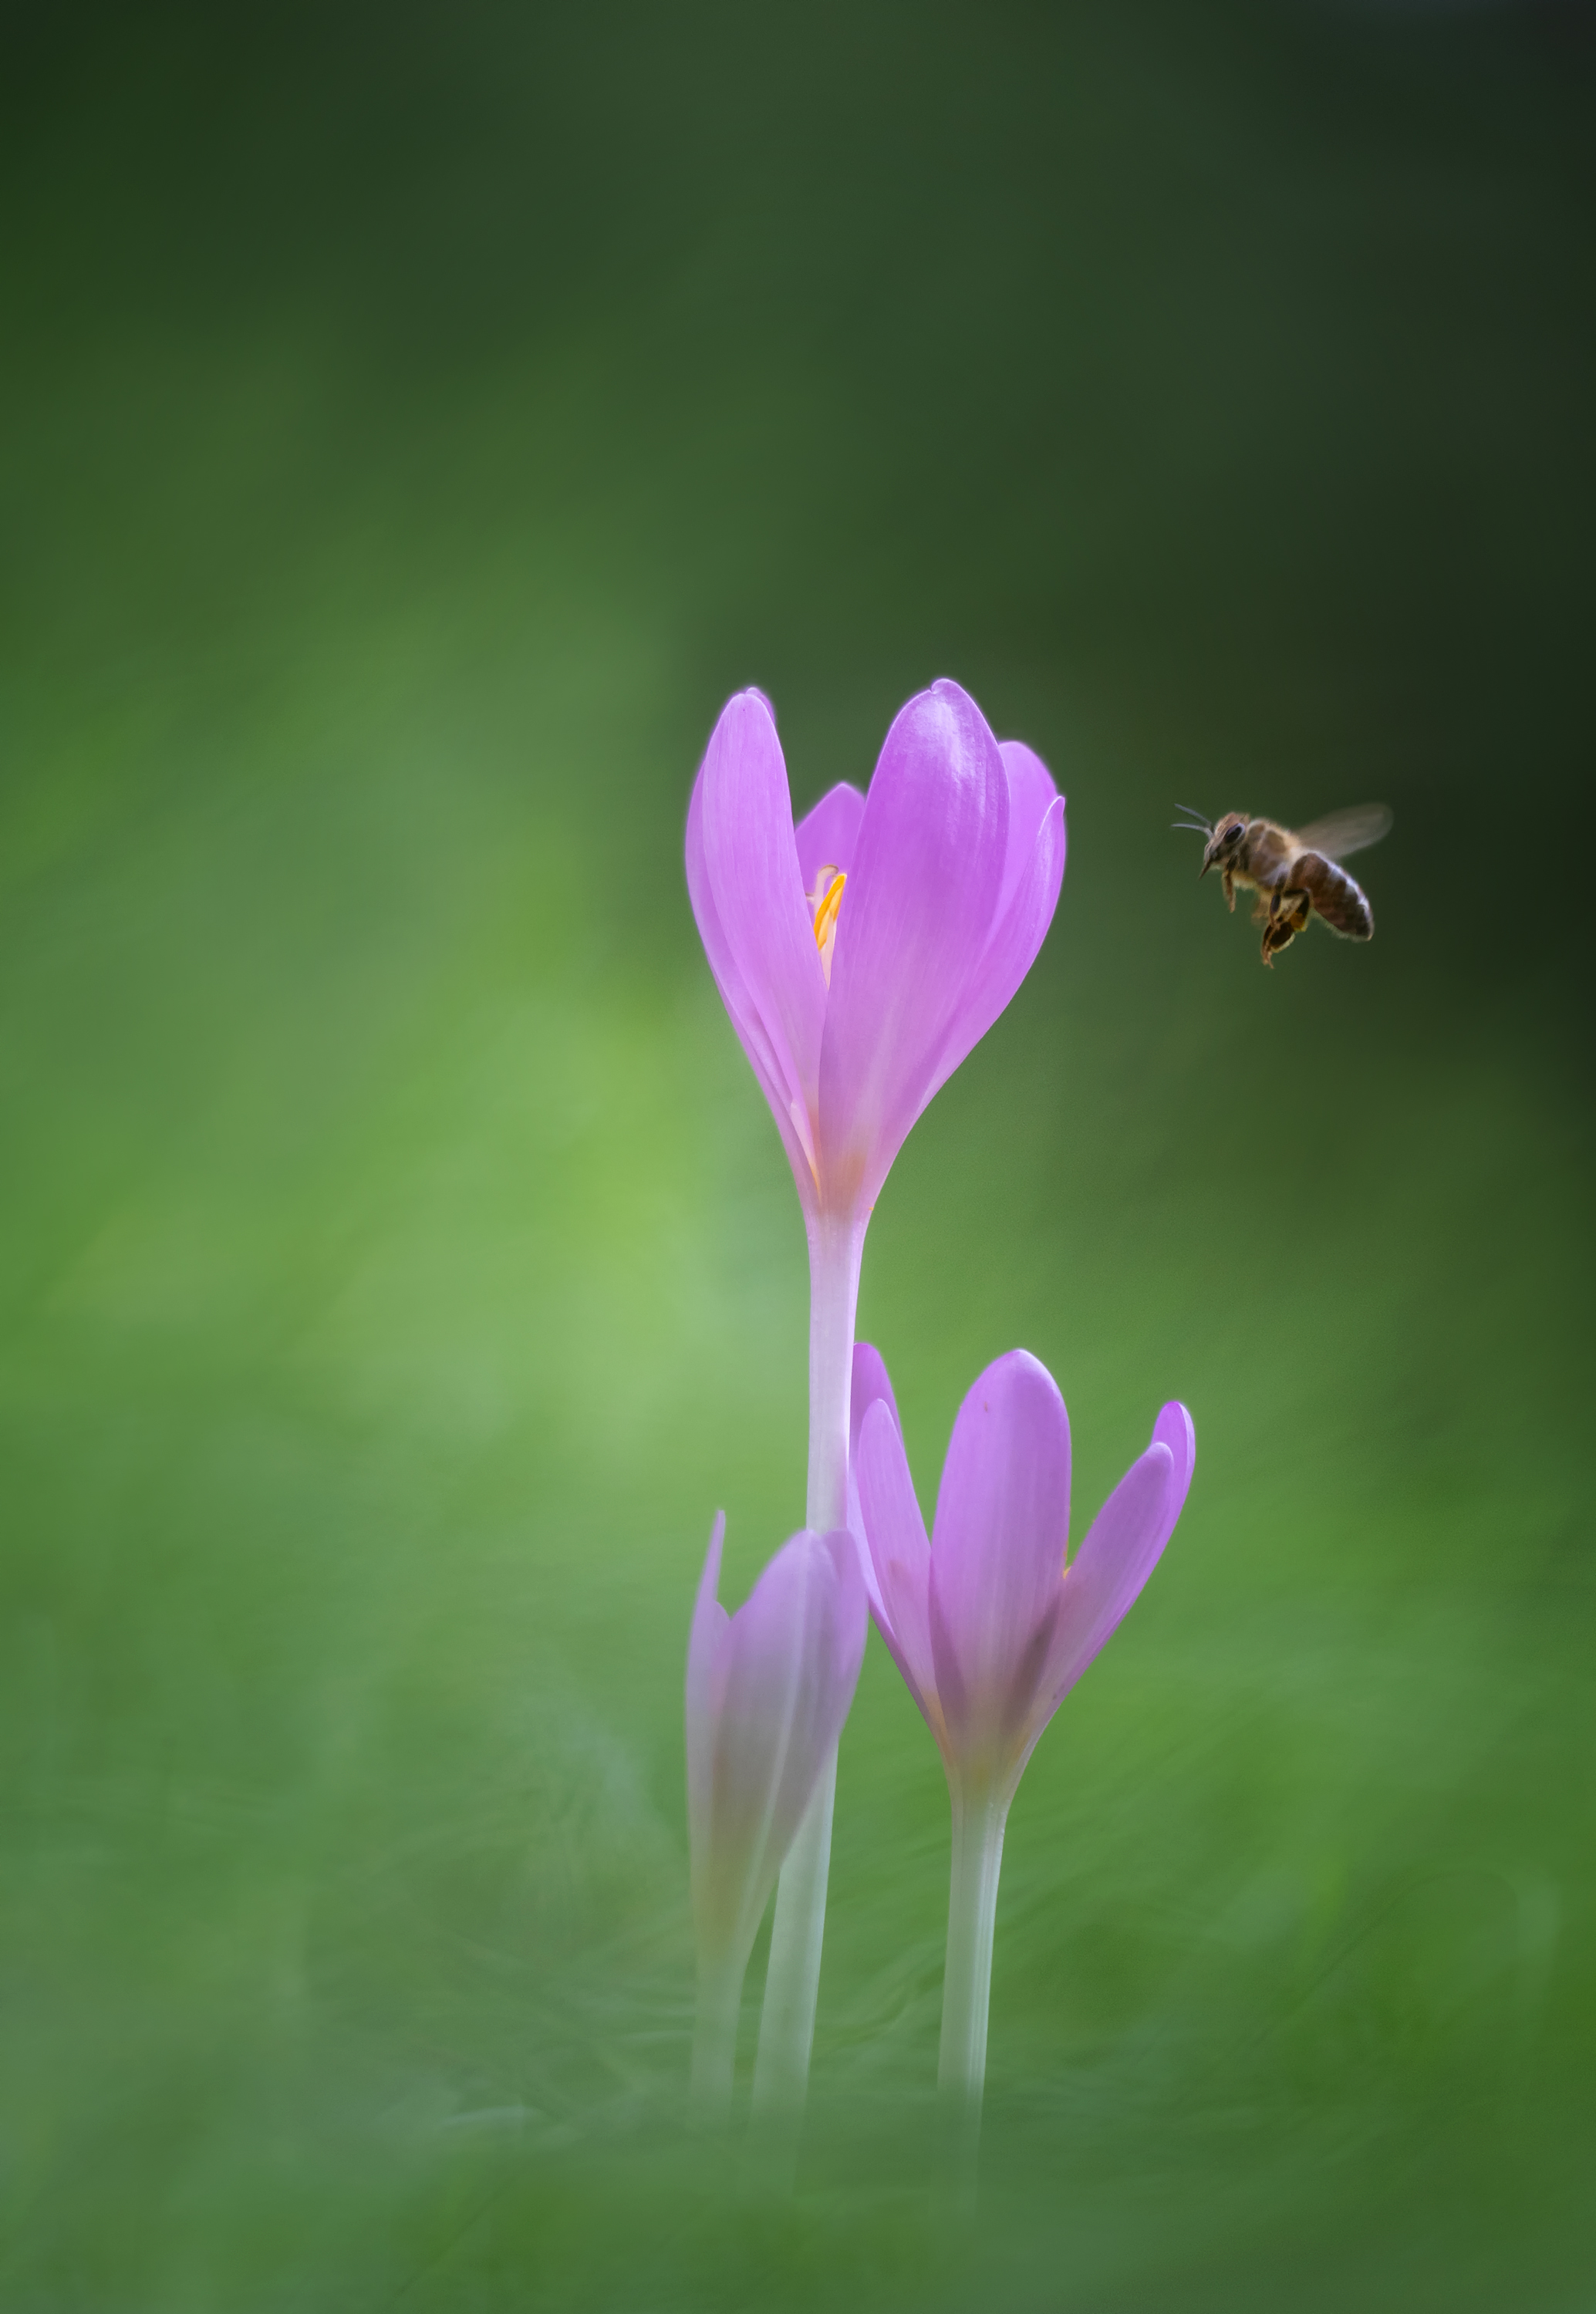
(989, 1626)
(862, 954)
(767, 1690)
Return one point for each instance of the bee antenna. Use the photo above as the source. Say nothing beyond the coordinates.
(1196, 821)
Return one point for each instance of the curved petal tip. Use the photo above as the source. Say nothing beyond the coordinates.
(1176, 1430)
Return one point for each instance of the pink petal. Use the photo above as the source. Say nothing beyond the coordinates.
(1002, 1524)
(827, 835)
(1176, 1430)
(705, 1681)
(738, 1000)
(1033, 874)
(870, 1382)
(794, 1650)
(900, 1554)
(915, 921)
(1032, 792)
(1126, 1540)
(751, 863)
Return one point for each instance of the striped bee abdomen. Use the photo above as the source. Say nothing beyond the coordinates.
(1340, 901)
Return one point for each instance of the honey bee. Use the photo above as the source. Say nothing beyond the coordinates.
(1294, 873)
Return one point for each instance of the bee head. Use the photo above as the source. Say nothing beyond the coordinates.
(1224, 847)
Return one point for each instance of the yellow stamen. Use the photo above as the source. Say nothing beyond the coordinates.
(825, 921)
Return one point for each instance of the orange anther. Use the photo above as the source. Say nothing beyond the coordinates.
(825, 921)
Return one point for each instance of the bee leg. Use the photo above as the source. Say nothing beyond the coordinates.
(1288, 913)
(1229, 882)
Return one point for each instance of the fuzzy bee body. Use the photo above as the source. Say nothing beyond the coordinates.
(1295, 874)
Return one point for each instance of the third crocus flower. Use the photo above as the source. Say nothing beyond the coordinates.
(990, 1622)
(860, 955)
(767, 1690)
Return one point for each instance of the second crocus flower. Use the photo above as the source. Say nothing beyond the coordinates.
(991, 1623)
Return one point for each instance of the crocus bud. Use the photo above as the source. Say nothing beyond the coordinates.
(767, 1690)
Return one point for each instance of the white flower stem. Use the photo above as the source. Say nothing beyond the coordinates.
(978, 1820)
(792, 1982)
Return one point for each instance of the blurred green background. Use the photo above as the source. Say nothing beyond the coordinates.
(415, 422)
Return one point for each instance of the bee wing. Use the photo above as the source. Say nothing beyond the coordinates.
(1342, 833)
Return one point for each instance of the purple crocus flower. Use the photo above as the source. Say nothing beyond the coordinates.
(989, 1625)
(767, 1690)
(863, 952)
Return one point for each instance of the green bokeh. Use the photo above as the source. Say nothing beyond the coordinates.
(414, 424)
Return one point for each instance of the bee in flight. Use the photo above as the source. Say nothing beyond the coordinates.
(1295, 873)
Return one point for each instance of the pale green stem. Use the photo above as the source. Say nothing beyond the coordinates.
(715, 2038)
(978, 1820)
(792, 1982)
